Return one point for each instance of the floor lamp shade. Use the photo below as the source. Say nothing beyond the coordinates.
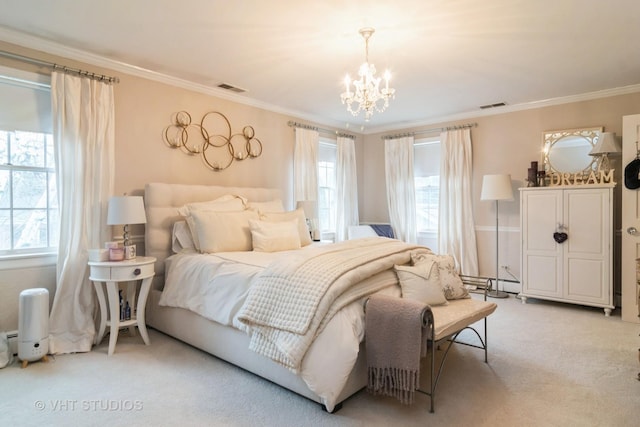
(496, 187)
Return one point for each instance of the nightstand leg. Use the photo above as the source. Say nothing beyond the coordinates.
(103, 312)
(131, 297)
(142, 303)
(114, 310)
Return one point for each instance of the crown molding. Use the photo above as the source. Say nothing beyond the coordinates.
(54, 48)
(57, 49)
(624, 90)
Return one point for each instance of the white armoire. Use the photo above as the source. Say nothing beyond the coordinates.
(579, 269)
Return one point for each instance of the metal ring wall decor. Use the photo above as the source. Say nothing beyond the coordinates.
(218, 147)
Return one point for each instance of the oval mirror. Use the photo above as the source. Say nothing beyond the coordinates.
(567, 151)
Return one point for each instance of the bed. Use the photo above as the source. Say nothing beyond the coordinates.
(324, 359)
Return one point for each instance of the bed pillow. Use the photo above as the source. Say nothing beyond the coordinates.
(223, 231)
(271, 206)
(274, 236)
(421, 283)
(449, 279)
(227, 203)
(181, 240)
(303, 230)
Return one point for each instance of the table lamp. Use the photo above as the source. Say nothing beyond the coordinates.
(125, 210)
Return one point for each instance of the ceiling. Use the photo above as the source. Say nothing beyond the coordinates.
(447, 57)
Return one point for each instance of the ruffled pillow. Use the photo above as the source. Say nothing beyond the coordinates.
(450, 280)
(421, 283)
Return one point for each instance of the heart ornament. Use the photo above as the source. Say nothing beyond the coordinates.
(560, 237)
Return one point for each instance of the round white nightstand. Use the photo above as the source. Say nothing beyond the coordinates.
(109, 274)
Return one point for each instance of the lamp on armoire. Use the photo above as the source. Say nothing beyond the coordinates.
(496, 187)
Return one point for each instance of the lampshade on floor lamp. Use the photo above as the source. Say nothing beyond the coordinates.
(496, 187)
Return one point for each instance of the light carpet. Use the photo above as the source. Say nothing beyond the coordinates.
(550, 364)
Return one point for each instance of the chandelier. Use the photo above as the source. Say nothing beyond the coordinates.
(366, 93)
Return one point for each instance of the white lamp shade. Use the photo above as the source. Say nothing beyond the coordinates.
(126, 210)
(309, 207)
(607, 144)
(496, 187)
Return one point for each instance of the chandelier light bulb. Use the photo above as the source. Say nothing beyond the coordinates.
(366, 93)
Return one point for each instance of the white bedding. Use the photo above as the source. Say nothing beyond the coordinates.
(290, 303)
(216, 286)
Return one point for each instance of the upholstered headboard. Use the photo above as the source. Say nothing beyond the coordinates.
(161, 203)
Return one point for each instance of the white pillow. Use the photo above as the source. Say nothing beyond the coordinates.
(181, 240)
(421, 283)
(223, 231)
(274, 236)
(303, 230)
(228, 203)
(449, 279)
(271, 206)
(225, 203)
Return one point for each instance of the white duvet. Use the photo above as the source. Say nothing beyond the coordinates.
(216, 286)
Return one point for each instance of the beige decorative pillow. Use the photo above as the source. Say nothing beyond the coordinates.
(303, 230)
(421, 283)
(227, 203)
(449, 278)
(223, 231)
(274, 236)
(263, 207)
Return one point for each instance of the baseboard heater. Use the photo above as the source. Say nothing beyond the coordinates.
(12, 339)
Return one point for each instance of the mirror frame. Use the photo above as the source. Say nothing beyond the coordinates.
(549, 138)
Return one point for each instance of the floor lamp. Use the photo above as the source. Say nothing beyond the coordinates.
(497, 187)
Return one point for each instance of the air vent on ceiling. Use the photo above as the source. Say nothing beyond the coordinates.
(231, 88)
(498, 104)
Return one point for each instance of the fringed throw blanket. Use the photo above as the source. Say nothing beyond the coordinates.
(395, 338)
(289, 304)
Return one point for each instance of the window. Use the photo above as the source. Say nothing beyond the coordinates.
(426, 167)
(327, 150)
(28, 198)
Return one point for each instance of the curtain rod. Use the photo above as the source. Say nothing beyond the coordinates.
(100, 77)
(332, 132)
(433, 130)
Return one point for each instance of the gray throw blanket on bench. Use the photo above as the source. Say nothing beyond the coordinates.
(396, 339)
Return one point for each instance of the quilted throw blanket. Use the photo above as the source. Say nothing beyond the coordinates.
(289, 304)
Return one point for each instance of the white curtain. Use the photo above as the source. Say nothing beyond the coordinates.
(346, 188)
(83, 128)
(457, 235)
(305, 165)
(401, 194)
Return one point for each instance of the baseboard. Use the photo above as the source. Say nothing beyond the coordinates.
(510, 286)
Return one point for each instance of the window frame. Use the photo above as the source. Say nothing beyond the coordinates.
(428, 235)
(328, 233)
(40, 256)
